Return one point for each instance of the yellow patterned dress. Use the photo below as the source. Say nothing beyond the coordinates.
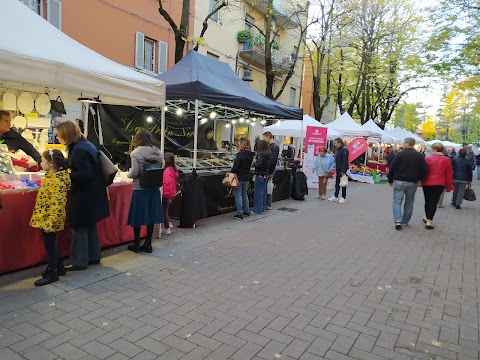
(50, 207)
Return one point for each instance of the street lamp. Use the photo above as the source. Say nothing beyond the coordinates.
(247, 73)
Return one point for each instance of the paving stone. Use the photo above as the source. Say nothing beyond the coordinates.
(38, 353)
(97, 349)
(296, 348)
(320, 346)
(125, 347)
(68, 351)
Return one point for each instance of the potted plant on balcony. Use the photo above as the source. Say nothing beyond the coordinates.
(275, 46)
(244, 36)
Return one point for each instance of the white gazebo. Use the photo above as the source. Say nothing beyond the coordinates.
(385, 137)
(351, 129)
(296, 128)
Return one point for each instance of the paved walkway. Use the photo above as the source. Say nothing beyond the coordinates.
(327, 281)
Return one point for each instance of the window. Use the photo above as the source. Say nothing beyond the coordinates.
(212, 55)
(54, 13)
(35, 5)
(145, 53)
(211, 6)
(162, 57)
(293, 96)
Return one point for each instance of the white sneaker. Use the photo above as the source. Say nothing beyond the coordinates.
(323, 197)
(333, 198)
(167, 231)
(171, 225)
(341, 201)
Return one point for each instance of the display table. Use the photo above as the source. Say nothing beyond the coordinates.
(368, 179)
(22, 246)
(220, 199)
(378, 166)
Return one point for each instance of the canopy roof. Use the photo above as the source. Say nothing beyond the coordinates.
(218, 87)
(35, 56)
(293, 128)
(349, 128)
(445, 143)
(401, 134)
(386, 138)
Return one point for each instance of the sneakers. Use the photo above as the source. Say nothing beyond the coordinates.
(429, 225)
(321, 197)
(167, 231)
(342, 201)
(398, 226)
(269, 208)
(238, 217)
(246, 214)
(333, 198)
(457, 207)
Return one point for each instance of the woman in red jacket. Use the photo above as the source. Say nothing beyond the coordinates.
(439, 178)
(170, 177)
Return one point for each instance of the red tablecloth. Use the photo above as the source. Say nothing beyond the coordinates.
(22, 246)
(381, 167)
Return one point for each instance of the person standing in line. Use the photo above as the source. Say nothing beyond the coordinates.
(275, 150)
(50, 212)
(390, 157)
(408, 168)
(462, 177)
(323, 166)
(438, 180)
(146, 205)
(262, 166)
(170, 177)
(241, 167)
(470, 156)
(88, 202)
(341, 167)
(477, 161)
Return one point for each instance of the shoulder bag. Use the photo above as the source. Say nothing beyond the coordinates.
(231, 180)
(109, 170)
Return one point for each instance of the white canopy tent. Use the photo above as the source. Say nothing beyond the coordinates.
(401, 134)
(294, 128)
(37, 57)
(385, 138)
(349, 128)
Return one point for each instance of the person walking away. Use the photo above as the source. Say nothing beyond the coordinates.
(438, 180)
(323, 166)
(262, 166)
(146, 204)
(390, 157)
(275, 151)
(88, 202)
(241, 167)
(462, 177)
(471, 156)
(341, 167)
(477, 161)
(408, 168)
(49, 213)
(440, 201)
(170, 177)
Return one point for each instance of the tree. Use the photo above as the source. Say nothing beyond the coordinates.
(180, 30)
(408, 116)
(429, 129)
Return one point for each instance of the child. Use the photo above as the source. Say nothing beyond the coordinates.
(170, 177)
(49, 213)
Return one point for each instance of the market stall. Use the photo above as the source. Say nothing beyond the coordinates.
(34, 71)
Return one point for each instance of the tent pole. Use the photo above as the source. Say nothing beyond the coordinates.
(86, 110)
(195, 136)
(301, 144)
(162, 131)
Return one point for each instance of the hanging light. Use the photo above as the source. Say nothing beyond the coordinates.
(227, 125)
(213, 114)
(247, 75)
(254, 119)
(234, 122)
(149, 119)
(252, 124)
(165, 108)
(179, 111)
(203, 120)
(263, 122)
(248, 121)
(278, 123)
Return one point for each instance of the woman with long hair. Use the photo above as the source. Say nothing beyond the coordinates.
(241, 167)
(262, 167)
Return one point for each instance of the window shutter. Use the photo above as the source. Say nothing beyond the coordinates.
(162, 57)
(54, 13)
(140, 51)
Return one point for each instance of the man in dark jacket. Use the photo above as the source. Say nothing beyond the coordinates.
(462, 177)
(408, 168)
(341, 167)
(275, 150)
(14, 140)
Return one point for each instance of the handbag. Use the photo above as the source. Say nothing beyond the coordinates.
(469, 194)
(109, 170)
(58, 106)
(344, 181)
(270, 187)
(230, 180)
(152, 175)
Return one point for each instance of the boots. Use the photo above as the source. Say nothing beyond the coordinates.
(60, 269)
(147, 246)
(50, 277)
(135, 247)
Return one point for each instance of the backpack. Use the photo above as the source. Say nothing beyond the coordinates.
(152, 175)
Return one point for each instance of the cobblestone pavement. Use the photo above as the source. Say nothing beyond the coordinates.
(327, 281)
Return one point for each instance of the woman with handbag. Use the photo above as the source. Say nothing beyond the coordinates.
(241, 167)
(462, 177)
(88, 202)
(146, 204)
(262, 167)
(323, 166)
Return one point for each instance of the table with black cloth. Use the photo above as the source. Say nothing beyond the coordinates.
(22, 246)
(220, 199)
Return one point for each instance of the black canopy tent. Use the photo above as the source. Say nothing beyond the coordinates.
(214, 90)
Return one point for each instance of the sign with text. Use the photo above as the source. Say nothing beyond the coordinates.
(357, 147)
(315, 138)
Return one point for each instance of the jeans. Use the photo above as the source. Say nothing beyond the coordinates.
(458, 192)
(50, 241)
(260, 194)
(166, 205)
(241, 198)
(337, 187)
(85, 245)
(478, 172)
(432, 196)
(407, 190)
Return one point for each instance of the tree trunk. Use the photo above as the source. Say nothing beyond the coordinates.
(269, 74)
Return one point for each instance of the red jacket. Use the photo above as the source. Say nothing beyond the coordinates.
(170, 177)
(439, 171)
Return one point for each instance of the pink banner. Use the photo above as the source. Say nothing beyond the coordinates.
(356, 148)
(316, 137)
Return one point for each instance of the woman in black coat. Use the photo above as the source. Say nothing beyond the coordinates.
(262, 167)
(88, 203)
(462, 177)
(241, 167)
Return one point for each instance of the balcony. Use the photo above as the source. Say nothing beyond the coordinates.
(253, 52)
(282, 20)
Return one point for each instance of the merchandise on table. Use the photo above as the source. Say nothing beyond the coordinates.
(6, 166)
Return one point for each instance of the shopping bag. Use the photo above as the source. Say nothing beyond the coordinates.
(330, 184)
(109, 170)
(344, 181)
(270, 187)
(469, 195)
(230, 180)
